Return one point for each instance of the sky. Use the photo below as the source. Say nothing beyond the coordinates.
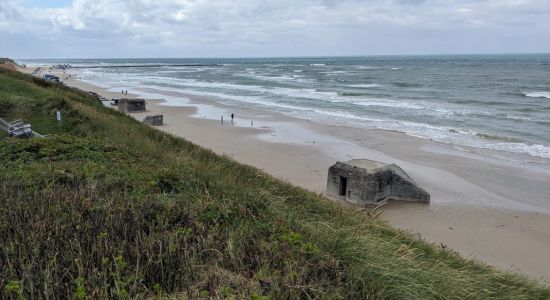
(264, 28)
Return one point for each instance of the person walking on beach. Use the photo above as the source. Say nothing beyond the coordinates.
(232, 116)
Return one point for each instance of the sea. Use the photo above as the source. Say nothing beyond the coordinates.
(496, 102)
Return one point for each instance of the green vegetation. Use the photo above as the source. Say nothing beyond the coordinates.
(109, 208)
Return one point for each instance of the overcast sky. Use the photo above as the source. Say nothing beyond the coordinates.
(252, 28)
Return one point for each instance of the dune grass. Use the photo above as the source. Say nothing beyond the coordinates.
(106, 207)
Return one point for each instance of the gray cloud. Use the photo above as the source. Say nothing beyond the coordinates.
(158, 28)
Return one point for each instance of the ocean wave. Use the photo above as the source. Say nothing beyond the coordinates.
(360, 99)
(376, 67)
(542, 122)
(352, 94)
(365, 85)
(304, 93)
(172, 71)
(526, 110)
(337, 72)
(441, 134)
(317, 65)
(537, 94)
(313, 104)
(249, 100)
(368, 67)
(480, 102)
(184, 84)
(406, 84)
(526, 148)
(500, 138)
(527, 119)
(467, 138)
(291, 93)
(279, 79)
(389, 104)
(437, 133)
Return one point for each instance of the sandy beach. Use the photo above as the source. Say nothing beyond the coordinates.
(491, 208)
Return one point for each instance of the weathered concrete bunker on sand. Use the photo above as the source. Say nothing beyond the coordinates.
(131, 105)
(154, 120)
(366, 182)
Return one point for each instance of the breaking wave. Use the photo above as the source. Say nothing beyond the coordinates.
(537, 94)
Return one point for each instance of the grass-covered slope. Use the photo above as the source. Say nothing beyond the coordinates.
(109, 208)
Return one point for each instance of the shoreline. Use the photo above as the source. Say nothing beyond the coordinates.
(482, 220)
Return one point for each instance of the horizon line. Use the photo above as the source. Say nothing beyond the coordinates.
(292, 56)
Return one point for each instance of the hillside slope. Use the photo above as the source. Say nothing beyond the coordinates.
(109, 208)
(6, 63)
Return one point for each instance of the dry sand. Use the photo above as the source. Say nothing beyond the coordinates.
(496, 210)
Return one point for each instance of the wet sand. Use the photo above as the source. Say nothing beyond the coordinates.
(494, 207)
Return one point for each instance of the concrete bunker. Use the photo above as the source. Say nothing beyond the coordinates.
(131, 105)
(366, 182)
(154, 120)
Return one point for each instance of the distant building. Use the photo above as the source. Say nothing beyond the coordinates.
(154, 120)
(367, 182)
(131, 105)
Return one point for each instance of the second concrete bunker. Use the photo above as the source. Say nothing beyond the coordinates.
(367, 182)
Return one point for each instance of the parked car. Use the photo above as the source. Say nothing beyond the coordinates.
(51, 77)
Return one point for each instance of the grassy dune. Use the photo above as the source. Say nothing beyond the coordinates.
(109, 208)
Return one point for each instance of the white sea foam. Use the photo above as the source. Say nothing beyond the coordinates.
(462, 137)
(375, 68)
(365, 85)
(317, 65)
(292, 93)
(519, 118)
(184, 82)
(389, 104)
(538, 94)
(267, 96)
(278, 79)
(279, 91)
(336, 72)
(176, 71)
(368, 67)
(437, 133)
